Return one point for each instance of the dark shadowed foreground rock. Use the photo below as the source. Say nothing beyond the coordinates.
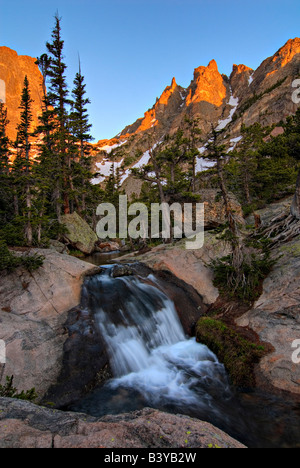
(24, 425)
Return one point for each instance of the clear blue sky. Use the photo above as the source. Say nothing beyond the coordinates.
(131, 49)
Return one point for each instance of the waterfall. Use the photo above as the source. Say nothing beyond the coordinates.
(150, 356)
(155, 364)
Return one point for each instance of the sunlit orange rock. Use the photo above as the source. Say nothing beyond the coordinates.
(208, 86)
(13, 69)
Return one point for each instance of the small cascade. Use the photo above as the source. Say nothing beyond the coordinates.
(153, 362)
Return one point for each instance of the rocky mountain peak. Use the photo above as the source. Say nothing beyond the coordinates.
(208, 85)
(238, 69)
(286, 53)
(167, 93)
(247, 97)
(240, 79)
(165, 106)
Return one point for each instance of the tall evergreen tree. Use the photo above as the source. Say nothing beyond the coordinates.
(216, 152)
(79, 115)
(80, 130)
(4, 140)
(58, 100)
(171, 158)
(193, 141)
(46, 170)
(22, 165)
(5, 189)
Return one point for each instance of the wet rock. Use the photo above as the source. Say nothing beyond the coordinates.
(121, 270)
(188, 303)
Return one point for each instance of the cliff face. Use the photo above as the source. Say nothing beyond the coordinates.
(268, 98)
(13, 69)
(246, 97)
(204, 98)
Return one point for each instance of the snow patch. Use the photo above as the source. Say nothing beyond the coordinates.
(104, 169)
(143, 161)
(233, 102)
(234, 142)
(108, 149)
(204, 164)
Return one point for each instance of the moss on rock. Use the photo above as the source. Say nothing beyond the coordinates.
(236, 353)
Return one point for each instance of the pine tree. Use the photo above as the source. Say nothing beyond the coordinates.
(79, 115)
(4, 140)
(193, 142)
(171, 158)
(217, 153)
(22, 165)
(247, 157)
(5, 189)
(58, 100)
(80, 130)
(46, 170)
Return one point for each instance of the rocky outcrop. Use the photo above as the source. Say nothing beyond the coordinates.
(214, 209)
(107, 246)
(240, 79)
(13, 69)
(208, 86)
(268, 98)
(24, 425)
(162, 113)
(191, 266)
(33, 311)
(79, 234)
(276, 319)
(271, 211)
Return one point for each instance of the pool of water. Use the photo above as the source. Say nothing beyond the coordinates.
(106, 258)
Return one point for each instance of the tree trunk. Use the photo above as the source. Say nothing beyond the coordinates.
(28, 229)
(246, 188)
(228, 210)
(295, 208)
(194, 175)
(16, 204)
(237, 248)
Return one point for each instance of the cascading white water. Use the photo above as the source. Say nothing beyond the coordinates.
(155, 364)
(148, 350)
